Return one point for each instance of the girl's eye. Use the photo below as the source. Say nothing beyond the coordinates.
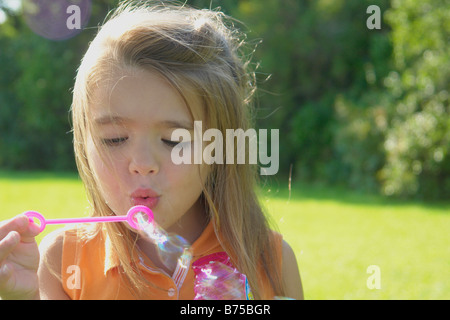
(114, 141)
(170, 143)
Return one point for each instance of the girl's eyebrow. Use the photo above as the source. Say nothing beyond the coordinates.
(111, 120)
(105, 120)
(177, 124)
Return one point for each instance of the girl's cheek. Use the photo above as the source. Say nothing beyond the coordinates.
(102, 164)
(103, 157)
(187, 176)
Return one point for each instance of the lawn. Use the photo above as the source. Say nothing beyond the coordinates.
(336, 234)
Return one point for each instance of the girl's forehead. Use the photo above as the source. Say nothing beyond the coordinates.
(142, 95)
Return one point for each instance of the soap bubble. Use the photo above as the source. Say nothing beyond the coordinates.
(173, 249)
(57, 19)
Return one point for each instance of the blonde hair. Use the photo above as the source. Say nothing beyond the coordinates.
(194, 50)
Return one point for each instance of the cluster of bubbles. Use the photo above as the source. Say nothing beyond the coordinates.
(217, 279)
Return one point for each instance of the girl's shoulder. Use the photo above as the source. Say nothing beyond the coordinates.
(290, 273)
(57, 251)
(49, 272)
(51, 245)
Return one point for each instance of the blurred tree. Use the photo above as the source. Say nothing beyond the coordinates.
(35, 92)
(315, 51)
(418, 140)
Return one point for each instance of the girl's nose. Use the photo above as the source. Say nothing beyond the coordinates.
(143, 161)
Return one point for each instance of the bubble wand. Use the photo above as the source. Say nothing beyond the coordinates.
(172, 249)
(130, 217)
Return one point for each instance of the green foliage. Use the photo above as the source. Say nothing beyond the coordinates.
(35, 94)
(417, 143)
(43, 103)
(315, 52)
(359, 136)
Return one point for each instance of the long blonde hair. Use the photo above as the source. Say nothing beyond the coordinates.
(194, 50)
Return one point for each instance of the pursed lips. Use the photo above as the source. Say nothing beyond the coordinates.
(145, 197)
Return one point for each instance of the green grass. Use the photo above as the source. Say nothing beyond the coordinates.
(336, 234)
(53, 195)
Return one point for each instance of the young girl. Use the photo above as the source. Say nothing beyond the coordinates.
(149, 71)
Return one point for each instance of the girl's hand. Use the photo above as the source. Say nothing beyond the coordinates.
(19, 259)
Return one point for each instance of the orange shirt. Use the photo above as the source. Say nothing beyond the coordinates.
(90, 270)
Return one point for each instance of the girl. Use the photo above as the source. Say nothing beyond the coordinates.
(149, 71)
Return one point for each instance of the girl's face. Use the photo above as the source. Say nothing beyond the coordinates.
(129, 150)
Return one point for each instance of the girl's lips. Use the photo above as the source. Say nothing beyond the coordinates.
(145, 197)
(150, 202)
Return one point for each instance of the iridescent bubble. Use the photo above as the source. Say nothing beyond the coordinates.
(57, 19)
(173, 249)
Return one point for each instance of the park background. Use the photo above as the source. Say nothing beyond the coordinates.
(364, 126)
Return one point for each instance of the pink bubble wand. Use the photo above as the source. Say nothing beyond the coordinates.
(130, 217)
